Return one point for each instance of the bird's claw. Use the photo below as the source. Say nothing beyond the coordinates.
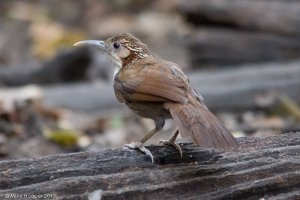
(176, 146)
(139, 146)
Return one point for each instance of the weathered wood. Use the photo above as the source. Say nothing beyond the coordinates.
(233, 90)
(277, 16)
(220, 47)
(262, 168)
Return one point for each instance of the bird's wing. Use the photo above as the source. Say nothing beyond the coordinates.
(151, 80)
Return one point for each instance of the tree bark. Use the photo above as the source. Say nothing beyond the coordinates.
(261, 168)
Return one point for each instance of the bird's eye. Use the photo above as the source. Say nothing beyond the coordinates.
(116, 45)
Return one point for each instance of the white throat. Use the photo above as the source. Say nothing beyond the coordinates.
(117, 69)
(117, 63)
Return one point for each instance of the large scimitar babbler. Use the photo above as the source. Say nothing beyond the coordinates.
(158, 89)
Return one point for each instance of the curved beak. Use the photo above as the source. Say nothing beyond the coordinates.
(97, 43)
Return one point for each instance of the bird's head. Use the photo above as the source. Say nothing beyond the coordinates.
(124, 48)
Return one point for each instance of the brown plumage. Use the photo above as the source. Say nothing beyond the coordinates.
(158, 89)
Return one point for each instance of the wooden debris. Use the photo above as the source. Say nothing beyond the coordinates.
(262, 168)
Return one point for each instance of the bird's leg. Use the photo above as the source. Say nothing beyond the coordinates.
(171, 141)
(159, 124)
(139, 144)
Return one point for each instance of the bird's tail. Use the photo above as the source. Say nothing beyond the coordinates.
(199, 124)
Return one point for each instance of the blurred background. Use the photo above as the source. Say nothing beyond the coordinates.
(242, 55)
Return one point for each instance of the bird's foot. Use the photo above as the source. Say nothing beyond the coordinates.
(172, 142)
(139, 146)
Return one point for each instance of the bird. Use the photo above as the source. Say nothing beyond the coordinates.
(158, 89)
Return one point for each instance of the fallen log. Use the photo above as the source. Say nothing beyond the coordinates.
(280, 17)
(234, 90)
(66, 67)
(261, 168)
(231, 90)
(219, 47)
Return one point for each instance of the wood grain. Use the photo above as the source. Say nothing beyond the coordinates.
(262, 168)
